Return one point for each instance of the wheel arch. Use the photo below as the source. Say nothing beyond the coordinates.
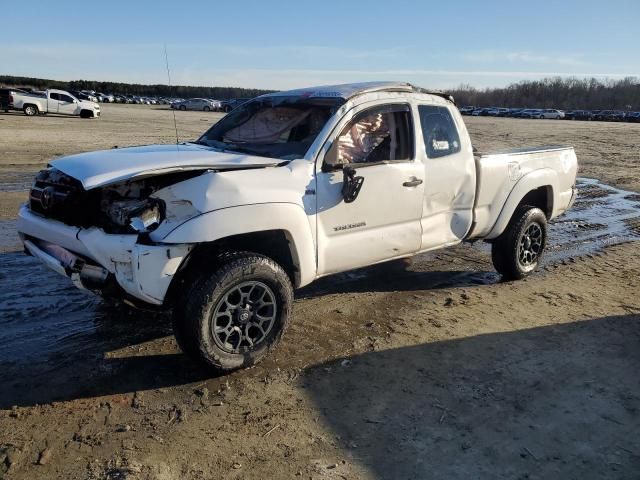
(536, 189)
(280, 231)
(275, 244)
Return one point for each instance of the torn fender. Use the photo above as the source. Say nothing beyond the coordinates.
(226, 222)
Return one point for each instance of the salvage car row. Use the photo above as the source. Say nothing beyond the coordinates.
(552, 113)
(202, 104)
(85, 104)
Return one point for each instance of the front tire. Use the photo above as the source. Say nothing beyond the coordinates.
(517, 252)
(206, 109)
(232, 318)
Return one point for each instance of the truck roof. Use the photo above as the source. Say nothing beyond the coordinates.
(346, 91)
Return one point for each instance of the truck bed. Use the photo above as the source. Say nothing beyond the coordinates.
(502, 175)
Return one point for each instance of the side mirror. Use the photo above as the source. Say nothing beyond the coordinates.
(351, 184)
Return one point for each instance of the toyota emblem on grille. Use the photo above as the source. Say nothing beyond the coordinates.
(46, 199)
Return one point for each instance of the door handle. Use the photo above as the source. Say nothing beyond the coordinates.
(414, 182)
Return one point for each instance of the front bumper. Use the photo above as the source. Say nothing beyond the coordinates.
(143, 271)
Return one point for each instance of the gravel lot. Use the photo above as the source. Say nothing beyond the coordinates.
(425, 369)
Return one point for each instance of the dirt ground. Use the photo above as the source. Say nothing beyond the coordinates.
(412, 370)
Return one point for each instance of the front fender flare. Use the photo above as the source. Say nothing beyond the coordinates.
(243, 219)
(544, 177)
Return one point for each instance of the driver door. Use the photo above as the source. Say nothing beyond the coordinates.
(383, 221)
(67, 105)
(53, 102)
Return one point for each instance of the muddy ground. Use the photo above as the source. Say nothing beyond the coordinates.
(427, 369)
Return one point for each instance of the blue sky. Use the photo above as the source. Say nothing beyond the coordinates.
(286, 44)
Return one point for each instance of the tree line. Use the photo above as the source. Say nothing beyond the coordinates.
(556, 92)
(159, 90)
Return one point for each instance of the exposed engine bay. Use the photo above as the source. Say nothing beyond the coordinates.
(120, 208)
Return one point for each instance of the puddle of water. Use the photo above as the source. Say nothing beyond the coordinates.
(43, 318)
(9, 239)
(602, 216)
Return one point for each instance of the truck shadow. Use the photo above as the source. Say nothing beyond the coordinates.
(59, 343)
(553, 402)
(424, 272)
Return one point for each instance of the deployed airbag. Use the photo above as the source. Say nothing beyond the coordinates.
(267, 125)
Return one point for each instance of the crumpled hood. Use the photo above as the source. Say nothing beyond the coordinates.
(95, 169)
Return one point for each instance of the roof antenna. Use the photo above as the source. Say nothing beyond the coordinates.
(166, 61)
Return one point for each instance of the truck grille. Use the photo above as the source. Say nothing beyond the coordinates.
(61, 197)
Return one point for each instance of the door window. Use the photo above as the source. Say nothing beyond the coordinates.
(439, 131)
(66, 98)
(54, 96)
(376, 135)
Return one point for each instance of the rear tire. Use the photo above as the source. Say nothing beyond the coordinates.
(182, 107)
(232, 318)
(30, 110)
(517, 252)
(206, 109)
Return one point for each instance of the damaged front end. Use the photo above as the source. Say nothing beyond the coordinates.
(100, 238)
(120, 208)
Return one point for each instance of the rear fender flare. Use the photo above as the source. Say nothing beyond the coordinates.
(544, 177)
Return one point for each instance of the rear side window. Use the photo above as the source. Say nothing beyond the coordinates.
(66, 98)
(439, 130)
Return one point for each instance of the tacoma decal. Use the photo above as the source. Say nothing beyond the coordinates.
(349, 226)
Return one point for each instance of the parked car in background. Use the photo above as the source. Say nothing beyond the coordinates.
(105, 97)
(89, 95)
(528, 113)
(480, 112)
(467, 110)
(633, 117)
(607, 115)
(228, 105)
(55, 101)
(577, 115)
(550, 113)
(201, 104)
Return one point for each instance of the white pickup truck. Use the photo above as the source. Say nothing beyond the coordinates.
(287, 188)
(54, 101)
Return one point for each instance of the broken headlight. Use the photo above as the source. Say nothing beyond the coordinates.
(140, 216)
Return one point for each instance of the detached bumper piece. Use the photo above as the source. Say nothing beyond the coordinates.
(93, 258)
(64, 262)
